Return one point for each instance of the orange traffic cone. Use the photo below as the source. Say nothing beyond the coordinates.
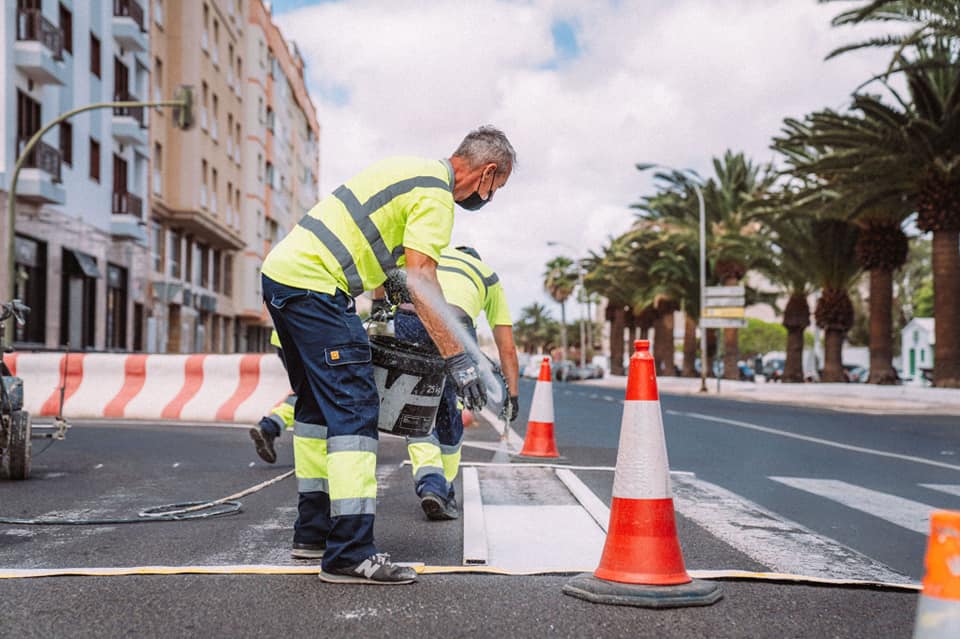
(539, 443)
(938, 611)
(642, 564)
(468, 418)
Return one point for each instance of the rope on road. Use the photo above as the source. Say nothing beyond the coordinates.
(313, 569)
(170, 512)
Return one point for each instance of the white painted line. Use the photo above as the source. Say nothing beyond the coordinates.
(515, 441)
(176, 465)
(474, 527)
(816, 440)
(912, 515)
(531, 465)
(98, 467)
(950, 489)
(543, 537)
(590, 502)
(778, 543)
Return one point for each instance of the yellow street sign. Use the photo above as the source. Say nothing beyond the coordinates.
(723, 311)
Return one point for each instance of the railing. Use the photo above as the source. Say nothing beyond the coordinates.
(129, 9)
(127, 204)
(32, 26)
(42, 156)
(131, 112)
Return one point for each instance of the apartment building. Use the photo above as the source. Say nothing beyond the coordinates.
(224, 190)
(280, 157)
(80, 236)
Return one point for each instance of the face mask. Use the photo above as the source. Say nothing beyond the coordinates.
(474, 202)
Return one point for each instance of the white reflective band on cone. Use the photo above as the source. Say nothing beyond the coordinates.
(541, 410)
(642, 471)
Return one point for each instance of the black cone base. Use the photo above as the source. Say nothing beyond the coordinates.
(695, 593)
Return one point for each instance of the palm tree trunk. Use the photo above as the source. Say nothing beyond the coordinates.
(658, 357)
(881, 327)
(946, 309)
(616, 340)
(793, 367)
(833, 355)
(669, 367)
(563, 331)
(689, 346)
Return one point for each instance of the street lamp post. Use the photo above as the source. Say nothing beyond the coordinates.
(703, 262)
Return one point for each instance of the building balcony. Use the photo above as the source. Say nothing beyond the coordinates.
(128, 122)
(128, 25)
(127, 220)
(39, 179)
(202, 225)
(38, 52)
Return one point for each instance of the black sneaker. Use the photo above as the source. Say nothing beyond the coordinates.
(264, 443)
(375, 569)
(439, 509)
(307, 551)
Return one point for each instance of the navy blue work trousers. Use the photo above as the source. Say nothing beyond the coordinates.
(327, 356)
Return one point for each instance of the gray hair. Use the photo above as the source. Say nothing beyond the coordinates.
(487, 144)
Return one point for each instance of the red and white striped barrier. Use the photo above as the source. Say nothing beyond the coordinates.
(223, 388)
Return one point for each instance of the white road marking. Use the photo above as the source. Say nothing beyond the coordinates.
(176, 465)
(950, 489)
(772, 540)
(590, 502)
(475, 551)
(816, 440)
(912, 515)
(98, 467)
(542, 537)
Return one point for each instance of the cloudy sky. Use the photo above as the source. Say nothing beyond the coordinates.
(584, 90)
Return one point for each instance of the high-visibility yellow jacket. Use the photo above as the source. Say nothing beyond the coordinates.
(472, 286)
(353, 236)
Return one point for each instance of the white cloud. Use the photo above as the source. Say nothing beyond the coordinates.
(676, 83)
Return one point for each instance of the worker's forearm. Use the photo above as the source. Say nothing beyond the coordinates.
(427, 299)
(507, 348)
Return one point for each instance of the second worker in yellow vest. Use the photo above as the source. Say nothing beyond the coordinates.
(470, 287)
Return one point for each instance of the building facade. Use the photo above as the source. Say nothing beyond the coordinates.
(80, 240)
(133, 234)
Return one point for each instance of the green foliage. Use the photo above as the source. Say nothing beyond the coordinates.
(924, 300)
(761, 337)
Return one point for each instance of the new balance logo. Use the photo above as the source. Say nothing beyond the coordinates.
(367, 568)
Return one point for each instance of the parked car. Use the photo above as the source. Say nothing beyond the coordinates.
(773, 370)
(746, 373)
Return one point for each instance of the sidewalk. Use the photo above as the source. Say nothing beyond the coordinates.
(865, 398)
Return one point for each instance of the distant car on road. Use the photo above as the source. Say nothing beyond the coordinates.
(773, 370)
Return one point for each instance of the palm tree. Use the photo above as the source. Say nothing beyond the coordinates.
(535, 328)
(908, 155)
(559, 280)
(930, 21)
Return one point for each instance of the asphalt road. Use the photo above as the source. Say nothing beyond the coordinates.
(114, 470)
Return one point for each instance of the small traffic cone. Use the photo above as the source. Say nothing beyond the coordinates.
(468, 419)
(642, 564)
(938, 611)
(539, 443)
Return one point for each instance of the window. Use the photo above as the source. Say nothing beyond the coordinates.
(28, 118)
(94, 55)
(188, 267)
(78, 297)
(259, 167)
(158, 12)
(66, 29)
(228, 275)
(270, 174)
(204, 266)
(158, 81)
(213, 121)
(217, 284)
(157, 168)
(174, 248)
(156, 246)
(30, 265)
(116, 307)
(213, 190)
(66, 142)
(94, 160)
(270, 119)
(203, 184)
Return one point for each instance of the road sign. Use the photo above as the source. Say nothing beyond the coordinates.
(724, 311)
(724, 291)
(724, 301)
(722, 322)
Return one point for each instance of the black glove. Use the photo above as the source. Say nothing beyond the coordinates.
(395, 286)
(514, 410)
(380, 310)
(465, 375)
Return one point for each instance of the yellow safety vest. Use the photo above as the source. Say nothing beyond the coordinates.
(471, 285)
(350, 239)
